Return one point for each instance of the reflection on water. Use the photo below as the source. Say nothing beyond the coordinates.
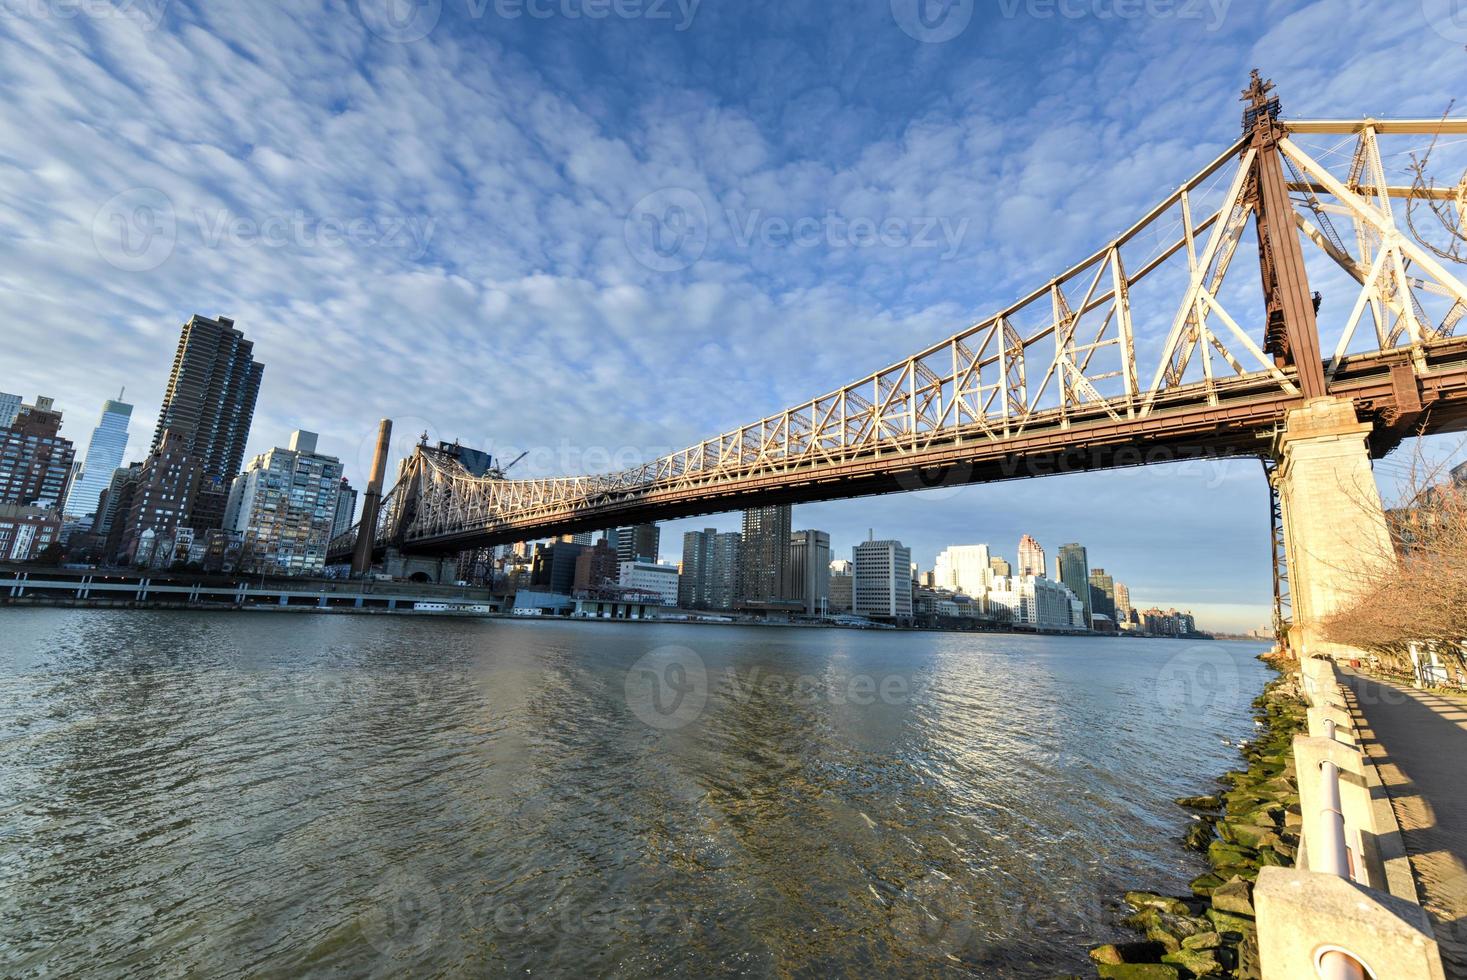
(246, 794)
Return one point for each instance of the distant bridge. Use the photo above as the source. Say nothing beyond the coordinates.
(1157, 347)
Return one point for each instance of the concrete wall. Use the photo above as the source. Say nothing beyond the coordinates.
(1334, 526)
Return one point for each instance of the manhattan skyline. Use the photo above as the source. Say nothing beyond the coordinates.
(492, 293)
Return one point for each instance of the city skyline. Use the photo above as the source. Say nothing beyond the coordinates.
(1225, 616)
(473, 306)
(1156, 589)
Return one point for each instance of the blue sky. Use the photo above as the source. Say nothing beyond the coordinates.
(428, 210)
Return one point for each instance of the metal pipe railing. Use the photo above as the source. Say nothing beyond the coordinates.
(1330, 855)
(1335, 964)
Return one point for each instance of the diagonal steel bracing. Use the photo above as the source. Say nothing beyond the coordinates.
(1154, 335)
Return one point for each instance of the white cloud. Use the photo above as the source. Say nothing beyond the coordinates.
(518, 154)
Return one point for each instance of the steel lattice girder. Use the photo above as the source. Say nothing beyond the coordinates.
(974, 396)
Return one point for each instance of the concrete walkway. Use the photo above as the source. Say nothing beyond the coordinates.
(1418, 741)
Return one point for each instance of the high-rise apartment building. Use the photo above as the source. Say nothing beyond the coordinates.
(1123, 603)
(283, 506)
(965, 568)
(808, 578)
(711, 568)
(1073, 569)
(882, 586)
(211, 394)
(35, 461)
(766, 558)
(1102, 594)
(728, 565)
(154, 504)
(639, 543)
(1001, 567)
(104, 456)
(9, 408)
(1031, 558)
(695, 582)
(346, 508)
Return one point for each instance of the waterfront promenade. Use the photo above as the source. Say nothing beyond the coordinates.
(1418, 742)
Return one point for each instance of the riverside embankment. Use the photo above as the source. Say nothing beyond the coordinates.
(1251, 821)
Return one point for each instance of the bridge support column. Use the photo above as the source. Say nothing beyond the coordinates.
(1335, 531)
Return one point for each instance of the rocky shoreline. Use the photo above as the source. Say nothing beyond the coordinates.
(1251, 822)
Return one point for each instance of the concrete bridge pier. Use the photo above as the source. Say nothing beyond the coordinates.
(1335, 532)
(437, 571)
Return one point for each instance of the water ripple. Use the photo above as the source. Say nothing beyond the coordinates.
(264, 795)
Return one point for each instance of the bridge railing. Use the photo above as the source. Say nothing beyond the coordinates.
(1348, 909)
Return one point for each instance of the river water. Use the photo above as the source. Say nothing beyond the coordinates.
(260, 794)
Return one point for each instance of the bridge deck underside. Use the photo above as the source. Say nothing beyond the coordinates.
(1181, 428)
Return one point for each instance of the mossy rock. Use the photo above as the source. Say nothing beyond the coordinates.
(1269, 816)
(1199, 962)
(1199, 836)
(1151, 900)
(1203, 884)
(1199, 802)
(1227, 922)
(1248, 966)
(1203, 940)
(1247, 834)
(1141, 920)
(1223, 854)
(1138, 971)
(1109, 953)
(1169, 942)
(1235, 896)
(1240, 803)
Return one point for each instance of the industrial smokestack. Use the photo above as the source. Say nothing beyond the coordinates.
(361, 561)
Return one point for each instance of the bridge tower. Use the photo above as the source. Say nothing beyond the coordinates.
(1333, 525)
(361, 562)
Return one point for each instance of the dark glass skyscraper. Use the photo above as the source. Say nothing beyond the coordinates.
(1074, 572)
(1102, 593)
(211, 394)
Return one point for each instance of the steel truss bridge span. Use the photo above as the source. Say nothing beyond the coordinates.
(1137, 354)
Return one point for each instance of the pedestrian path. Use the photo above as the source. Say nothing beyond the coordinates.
(1418, 741)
